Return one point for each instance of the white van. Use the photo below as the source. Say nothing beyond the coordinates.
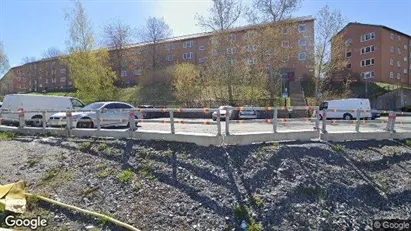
(346, 104)
(36, 104)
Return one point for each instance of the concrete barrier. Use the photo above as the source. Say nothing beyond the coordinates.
(343, 136)
(249, 138)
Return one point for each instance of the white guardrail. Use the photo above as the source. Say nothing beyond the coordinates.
(134, 117)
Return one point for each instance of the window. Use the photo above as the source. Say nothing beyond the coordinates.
(138, 52)
(302, 56)
(398, 64)
(231, 50)
(201, 48)
(398, 76)
(368, 49)
(47, 81)
(249, 34)
(302, 43)
(349, 66)
(124, 63)
(392, 49)
(284, 31)
(405, 59)
(62, 79)
(405, 71)
(40, 85)
(187, 44)
(170, 57)
(391, 75)
(137, 72)
(302, 28)
(285, 59)
(399, 38)
(405, 47)
(123, 73)
(232, 62)
(367, 37)
(391, 36)
(201, 60)
(63, 71)
(214, 53)
(348, 42)
(398, 51)
(367, 62)
(324, 106)
(70, 83)
(251, 48)
(233, 37)
(188, 55)
(367, 75)
(252, 60)
(348, 54)
(392, 62)
(213, 41)
(285, 44)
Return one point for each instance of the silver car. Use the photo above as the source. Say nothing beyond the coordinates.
(248, 114)
(112, 114)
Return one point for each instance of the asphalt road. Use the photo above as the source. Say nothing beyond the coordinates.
(339, 126)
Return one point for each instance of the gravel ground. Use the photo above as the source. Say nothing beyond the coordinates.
(175, 186)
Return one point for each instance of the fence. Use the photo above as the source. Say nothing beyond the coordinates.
(96, 121)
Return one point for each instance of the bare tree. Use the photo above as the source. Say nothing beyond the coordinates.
(328, 24)
(4, 62)
(117, 36)
(28, 59)
(81, 37)
(272, 10)
(155, 30)
(52, 52)
(222, 15)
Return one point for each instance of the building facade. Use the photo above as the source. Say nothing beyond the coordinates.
(52, 74)
(378, 53)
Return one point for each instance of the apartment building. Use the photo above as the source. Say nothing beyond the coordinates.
(378, 53)
(50, 74)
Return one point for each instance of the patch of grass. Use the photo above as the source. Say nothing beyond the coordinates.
(147, 171)
(6, 136)
(86, 145)
(125, 176)
(56, 176)
(276, 145)
(102, 147)
(101, 165)
(408, 142)
(254, 226)
(383, 182)
(168, 153)
(34, 161)
(104, 220)
(241, 212)
(260, 152)
(258, 201)
(104, 173)
(338, 148)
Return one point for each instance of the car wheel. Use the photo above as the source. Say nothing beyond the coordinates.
(85, 123)
(37, 121)
(214, 119)
(347, 116)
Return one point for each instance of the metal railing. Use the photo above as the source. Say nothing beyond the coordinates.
(133, 117)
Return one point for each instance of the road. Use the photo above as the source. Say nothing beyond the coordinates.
(339, 126)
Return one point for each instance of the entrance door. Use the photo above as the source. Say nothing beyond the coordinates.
(291, 76)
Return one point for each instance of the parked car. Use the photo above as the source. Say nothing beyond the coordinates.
(346, 104)
(1, 104)
(36, 104)
(223, 111)
(375, 115)
(248, 114)
(112, 114)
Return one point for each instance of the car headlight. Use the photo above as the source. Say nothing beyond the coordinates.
(63, 118)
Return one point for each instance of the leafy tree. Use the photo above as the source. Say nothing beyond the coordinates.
(90, 70)
(186, 83)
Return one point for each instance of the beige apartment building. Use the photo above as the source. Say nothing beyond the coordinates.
(51, 74)
(378, 53)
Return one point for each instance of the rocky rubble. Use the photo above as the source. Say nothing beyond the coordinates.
(175, 186)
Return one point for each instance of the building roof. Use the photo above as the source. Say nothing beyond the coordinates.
(374, 25)
(236, 29)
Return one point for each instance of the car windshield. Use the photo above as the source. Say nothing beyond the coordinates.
(93, 106)
(223, 107)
